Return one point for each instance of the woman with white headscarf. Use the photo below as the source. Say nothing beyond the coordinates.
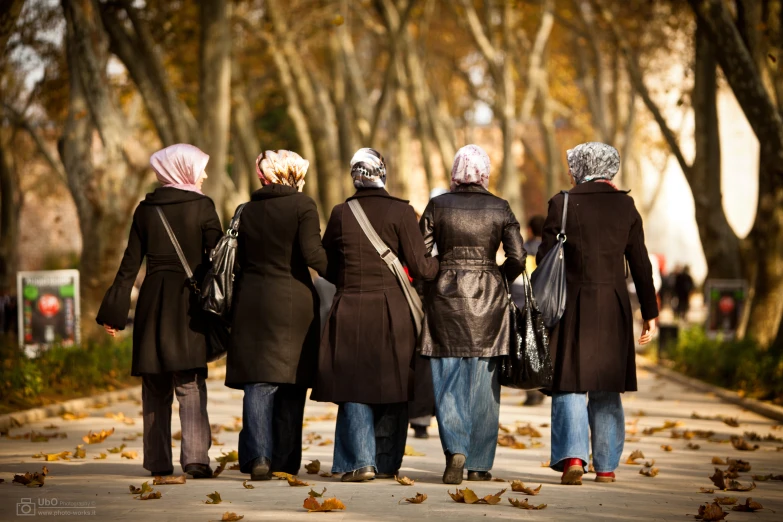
(466, 324)
(169, 347)
(368, 344)
(592, 346)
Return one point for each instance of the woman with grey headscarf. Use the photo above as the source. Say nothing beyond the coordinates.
(466, 323)
(367, 348)
(592, 346)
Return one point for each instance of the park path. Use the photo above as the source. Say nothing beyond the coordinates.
(672, 495)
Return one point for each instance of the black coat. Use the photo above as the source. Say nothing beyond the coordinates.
(276, 327)
(466, 308)
(168, 327)
(367, 348)
(592, 346)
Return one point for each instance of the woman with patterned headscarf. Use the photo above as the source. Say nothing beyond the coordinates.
(592, 345)
(276, 326)
(466, 322)
(368, 344)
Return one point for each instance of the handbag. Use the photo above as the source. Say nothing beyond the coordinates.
(528, 365)
(216, 331)
(392, 261)
(217, 289)
(549, 278)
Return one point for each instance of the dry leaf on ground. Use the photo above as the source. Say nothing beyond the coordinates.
(313, 468)
(718, 461)
(214, 498)
(130, 455)
(666, 447)
(468, 496)
(313, 493)
(330, 504)
(80, 452)
(764, 478)
(282, 476)
(145, 488)
(326, 474)
(504, 429)
(247, 486)
(649, 472)
(326, 442)
(31, 480)
(709, 491)
(73, 416)
(295, 482)
(102, 456)
(633, 457)
(718, 479)
(711, 512)
(404, 481)
(545, 464)
(742, 445)
(739, 465)
(748, 506)
(169, 480)
(96, 438)
(418, 499)
(231, 517)
(117, 449)
(177, 436)
(410, 452)
(528, 431)
(520, 487)
(736, 486)
(725, 501)
(152, 495)
(692, 446)
(524, 504)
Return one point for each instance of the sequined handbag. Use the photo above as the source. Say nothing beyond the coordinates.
(528, 365)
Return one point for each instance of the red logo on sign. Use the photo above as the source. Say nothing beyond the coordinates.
(48, 305)
(726, 304)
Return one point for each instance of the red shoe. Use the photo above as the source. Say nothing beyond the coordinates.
(572, 472)
(604, 476)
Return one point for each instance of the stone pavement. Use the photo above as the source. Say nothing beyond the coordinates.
(672, 495)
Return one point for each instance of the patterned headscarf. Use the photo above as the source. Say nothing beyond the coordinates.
(180, 166)
(593, 161)
(282, 167)
(471, 166)
(368, 169)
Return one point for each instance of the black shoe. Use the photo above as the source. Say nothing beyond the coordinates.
(261, 469)
(420, 432)
(387, 475)
(455, 464)
(359, 475)
(479, 475)
(162, 473)
(198, 471)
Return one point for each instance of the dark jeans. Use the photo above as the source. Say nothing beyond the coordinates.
(272, 426)
(370, 435)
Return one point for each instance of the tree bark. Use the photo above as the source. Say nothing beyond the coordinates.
(10, 206)
(9, 14)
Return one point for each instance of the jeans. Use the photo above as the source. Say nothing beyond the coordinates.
(576, 416)
(272, 426)
(370, 435)
(467, 405)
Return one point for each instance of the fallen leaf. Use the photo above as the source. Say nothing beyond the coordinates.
(545, 464)
(711, 512)
(282, 476)
(764, 478)
(520, 487)
(220, 469)
(739, 465)
(410, 452)
(130, 455)
(528, 431)
(649, 472)
(326, 474)
(169, 481)
(524, 504)
(404, 481)
(418, 499)
(130, 438)
(231, 517)
(733, 422)
(96, 438)
(152, 495)
(736, 486)
(177, 436)
(313, 468)
(31, 480)
(718, 479)
(504, 429)
(326, 442)
(73, 416)
(145, 488)
(748, 506)
(666, 447)
(692, 446)
(468, 496)
(709, 491)
(80, 452)
(633, 457)
(725, 501)
(295, 482)
(649, 464)
(313, 493)
(330, 504)
(117, 449)
(718, 461)
(102, 456)
(310, 438)
(498, 479)
(247, 486)
(214, 498)
(231, 456)
(216, 442)
(742, 445)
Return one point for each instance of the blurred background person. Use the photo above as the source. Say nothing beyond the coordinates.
(683, 288)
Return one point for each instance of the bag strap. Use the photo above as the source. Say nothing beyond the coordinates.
(233, 227)
(562, 234)
(173, 238)
(384, 251)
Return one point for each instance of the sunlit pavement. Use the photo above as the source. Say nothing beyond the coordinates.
(674, 494)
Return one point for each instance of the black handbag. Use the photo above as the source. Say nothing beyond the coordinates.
(216, 329)
(549, 278)
(217, 289)
(528, 365)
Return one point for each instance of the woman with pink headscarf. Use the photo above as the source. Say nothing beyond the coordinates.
(169, 347)
(466, 322)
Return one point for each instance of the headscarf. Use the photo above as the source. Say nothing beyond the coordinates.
(282, 167)
(593, 161)
(471, 166)
(368, 169)
(180, 166)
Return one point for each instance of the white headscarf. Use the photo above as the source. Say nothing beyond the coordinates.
(471, 167)
(368, 169)
(180, 166)
(592, 161)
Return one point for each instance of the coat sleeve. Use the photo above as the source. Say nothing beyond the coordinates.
(116, 303)
(427, 226)
(641, 268)
(331, 244)
(551, 230)
(211, 232)
(310, 236)
(413, 249)
(512, 246)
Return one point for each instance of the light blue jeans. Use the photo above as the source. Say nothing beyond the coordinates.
(467, 405)
(370, 435)
(577, 416)
(255, 438)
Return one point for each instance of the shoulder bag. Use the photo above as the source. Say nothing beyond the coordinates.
(391, 260)
(549, 278)
(216, 330)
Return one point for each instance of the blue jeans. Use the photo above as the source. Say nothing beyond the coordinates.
(370, 435)
(576, 416)
(467, 405)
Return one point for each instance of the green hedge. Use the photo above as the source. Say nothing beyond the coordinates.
(62, 373)
(737, 365)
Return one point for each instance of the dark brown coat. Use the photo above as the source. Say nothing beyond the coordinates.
(367, 348)
(276, 324)
(168, 330)
(592, 345)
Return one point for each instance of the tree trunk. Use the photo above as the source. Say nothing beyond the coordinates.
(10, 207)
(9, 14)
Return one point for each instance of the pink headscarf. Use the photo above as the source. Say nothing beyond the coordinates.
(180, 166)
(471, 166)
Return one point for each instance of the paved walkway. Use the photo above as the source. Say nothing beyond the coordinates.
(672, 495)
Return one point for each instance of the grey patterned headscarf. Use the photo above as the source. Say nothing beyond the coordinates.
(593, 160)
(368, 169)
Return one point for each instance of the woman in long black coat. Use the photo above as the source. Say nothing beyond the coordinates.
(592, 345)
(367, 348)
(275, 327)
(169, 348)
(466, 324)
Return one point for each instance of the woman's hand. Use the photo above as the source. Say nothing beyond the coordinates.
(109, 330)
(648, 329)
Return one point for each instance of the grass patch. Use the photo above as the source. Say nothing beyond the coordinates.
(63, 373)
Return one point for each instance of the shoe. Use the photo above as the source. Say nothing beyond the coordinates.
(198, 471)
(387, 475)
(479, 475)
(420, 432)
(162, 473)
(359, 475)
(602, 476)
(261, 469)
(572, 473)
(454, 465)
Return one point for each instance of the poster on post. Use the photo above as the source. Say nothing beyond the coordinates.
(726, 300)
(48, 309)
